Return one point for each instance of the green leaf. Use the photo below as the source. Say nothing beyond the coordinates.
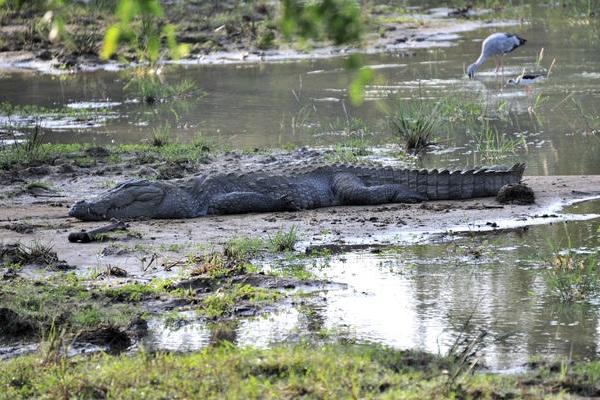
(357, 88)
(355, 61)
(126, 10)
(152, 7)
(111, 42)
(153, 47)
(177, 51)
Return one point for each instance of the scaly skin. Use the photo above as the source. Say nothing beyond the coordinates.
(295, 189)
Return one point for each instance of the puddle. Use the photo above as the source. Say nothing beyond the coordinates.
(422, 295)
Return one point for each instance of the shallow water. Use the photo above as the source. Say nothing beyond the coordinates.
(304, 102)
(428, 294)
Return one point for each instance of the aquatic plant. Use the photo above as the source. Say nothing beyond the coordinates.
(147, 85)
(574, 277)
(489, 145)
(590, 120)
(161, 136)
(415, 124)
(284, 240)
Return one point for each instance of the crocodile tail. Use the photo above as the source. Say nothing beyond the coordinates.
(440, 184)
(453, 185)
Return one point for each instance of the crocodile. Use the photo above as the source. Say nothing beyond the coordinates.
(291, 189)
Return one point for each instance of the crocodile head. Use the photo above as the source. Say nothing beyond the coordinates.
(129, 200)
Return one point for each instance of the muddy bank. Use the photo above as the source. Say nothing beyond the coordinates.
(222, 33)
(36, 201)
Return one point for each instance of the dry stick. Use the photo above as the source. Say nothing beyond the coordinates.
(94, 234)
(551, 66)
(152, 259)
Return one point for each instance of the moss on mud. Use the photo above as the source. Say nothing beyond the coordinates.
(32, 307)
(23, 156)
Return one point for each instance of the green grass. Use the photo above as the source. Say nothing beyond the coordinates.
(284, 240)
(150, 89)
(224, 302)
(135, 292)
(490, 145)
(62, 301)
(37, 153)
(333, 371)
(242, 248)
(574, 277)
(415, 125)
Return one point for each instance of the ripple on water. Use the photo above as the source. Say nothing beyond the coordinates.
(91, 105)
(589, 75)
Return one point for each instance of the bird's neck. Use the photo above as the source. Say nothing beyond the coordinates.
(480, 60)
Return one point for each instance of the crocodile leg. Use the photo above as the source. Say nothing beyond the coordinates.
(246, 202)
(350, 190)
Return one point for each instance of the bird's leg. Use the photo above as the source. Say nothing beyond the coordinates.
(502, 65)
(497, 64)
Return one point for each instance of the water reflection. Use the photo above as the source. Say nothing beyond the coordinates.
(425, 295)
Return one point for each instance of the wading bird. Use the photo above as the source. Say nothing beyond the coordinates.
(497, 45)
(527, 79)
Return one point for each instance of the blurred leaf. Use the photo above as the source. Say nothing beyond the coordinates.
(177, 50)
(337, 20)
(153, 47)
(126, 9)
(147, 37)
(355, 61)
(152, 7)
(57, 30)
(111, 42)
(357, 87)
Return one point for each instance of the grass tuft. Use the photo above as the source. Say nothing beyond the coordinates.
(225, 301)
(242, 248)
(415, 126)
(574, 277)
(161, 136)
(284, 240)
